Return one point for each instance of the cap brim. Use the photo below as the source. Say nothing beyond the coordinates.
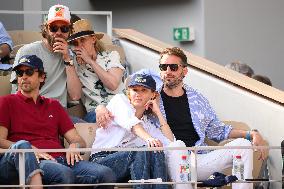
(22, 64)
(136, 84)
(83, 34)
(58, 19)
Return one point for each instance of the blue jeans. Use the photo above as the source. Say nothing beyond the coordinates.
(83, 172)
(9, 164)
(135, 165)
(90, 117)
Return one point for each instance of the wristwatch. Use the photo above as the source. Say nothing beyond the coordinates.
(255, 130)
(69, 63)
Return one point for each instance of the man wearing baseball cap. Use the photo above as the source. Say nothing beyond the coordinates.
(54, 53)
(29, 120)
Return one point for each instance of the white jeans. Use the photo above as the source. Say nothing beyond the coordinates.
(214, 161)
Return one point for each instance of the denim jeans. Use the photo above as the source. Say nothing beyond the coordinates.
(83, 172)
(135, 165)
(90, 117)
(9, 164)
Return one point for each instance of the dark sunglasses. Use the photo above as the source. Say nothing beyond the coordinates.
(28, 72)
(64, 29)
(173, 67)
(74, 43)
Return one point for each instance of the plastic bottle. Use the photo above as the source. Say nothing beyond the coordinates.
(238, 167)
(184, 169)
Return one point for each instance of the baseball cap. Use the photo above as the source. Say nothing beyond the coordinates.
(31, 61)
(58, 12)
(217, 180)
(142, 80)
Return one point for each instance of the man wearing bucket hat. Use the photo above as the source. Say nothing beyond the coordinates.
(57, 61)
(29, 120)
(100, 71)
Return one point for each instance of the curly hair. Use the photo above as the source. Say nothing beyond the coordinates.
(177, 52)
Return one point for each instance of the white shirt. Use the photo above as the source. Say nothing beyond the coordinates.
(118, 132)
(94, 92)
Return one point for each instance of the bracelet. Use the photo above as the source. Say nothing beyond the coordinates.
(248, 137)
(77, 144)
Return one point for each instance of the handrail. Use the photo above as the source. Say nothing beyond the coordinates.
(207, 66)
(108, 14)
(194, 150)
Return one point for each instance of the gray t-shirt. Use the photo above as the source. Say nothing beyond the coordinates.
(55, 83)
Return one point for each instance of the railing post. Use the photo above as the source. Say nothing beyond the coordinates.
(193, 166)
(22, 169)
(109, 24)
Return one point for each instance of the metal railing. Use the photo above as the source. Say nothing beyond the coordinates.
(108, 14)
(193, 154)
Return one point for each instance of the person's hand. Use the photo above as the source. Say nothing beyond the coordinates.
(82, 54)
(257, 140)
(103, 116)
(154, 105)
(42, 155)
(73, 157)
(61, 46)
(153, 142)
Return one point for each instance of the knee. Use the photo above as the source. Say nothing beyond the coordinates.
(21, 144)
(64, 177)
(241, 142)
(102, 174)
(177, 143)
(107, 175)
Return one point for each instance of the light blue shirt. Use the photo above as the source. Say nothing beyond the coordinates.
(203, 117)
(4, 36)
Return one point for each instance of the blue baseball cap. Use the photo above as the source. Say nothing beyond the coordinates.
(142, 80)
(31, 61)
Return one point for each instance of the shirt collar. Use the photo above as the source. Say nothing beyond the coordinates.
(40, 99)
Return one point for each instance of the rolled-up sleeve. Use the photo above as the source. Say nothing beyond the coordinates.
(123, 112)
(4, 37)
(216, 129)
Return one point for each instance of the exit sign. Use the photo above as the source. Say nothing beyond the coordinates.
(183, 34)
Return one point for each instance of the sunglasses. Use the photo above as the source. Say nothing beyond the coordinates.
(74, 43)
(173, 67)
(54, 28)
(28, 72)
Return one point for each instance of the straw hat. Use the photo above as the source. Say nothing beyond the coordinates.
(82, 28)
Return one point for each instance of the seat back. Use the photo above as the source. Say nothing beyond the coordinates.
(5, 84)
(21, 37)
(88, 132)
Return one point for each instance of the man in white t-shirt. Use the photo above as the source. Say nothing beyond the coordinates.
(100, 71)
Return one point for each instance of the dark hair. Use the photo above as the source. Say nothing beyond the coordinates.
(40, 73)
(241, 68)
(74, 18)
(177, 52)
(262, 79)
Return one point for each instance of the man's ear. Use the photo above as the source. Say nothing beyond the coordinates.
(42, 77)
(185, 70)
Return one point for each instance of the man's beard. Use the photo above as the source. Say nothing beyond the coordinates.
(26, 87)
(171, 84)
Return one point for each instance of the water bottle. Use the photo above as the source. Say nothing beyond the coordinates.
(238, 167)
(184, 169)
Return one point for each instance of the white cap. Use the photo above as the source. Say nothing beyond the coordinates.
(58, 12)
